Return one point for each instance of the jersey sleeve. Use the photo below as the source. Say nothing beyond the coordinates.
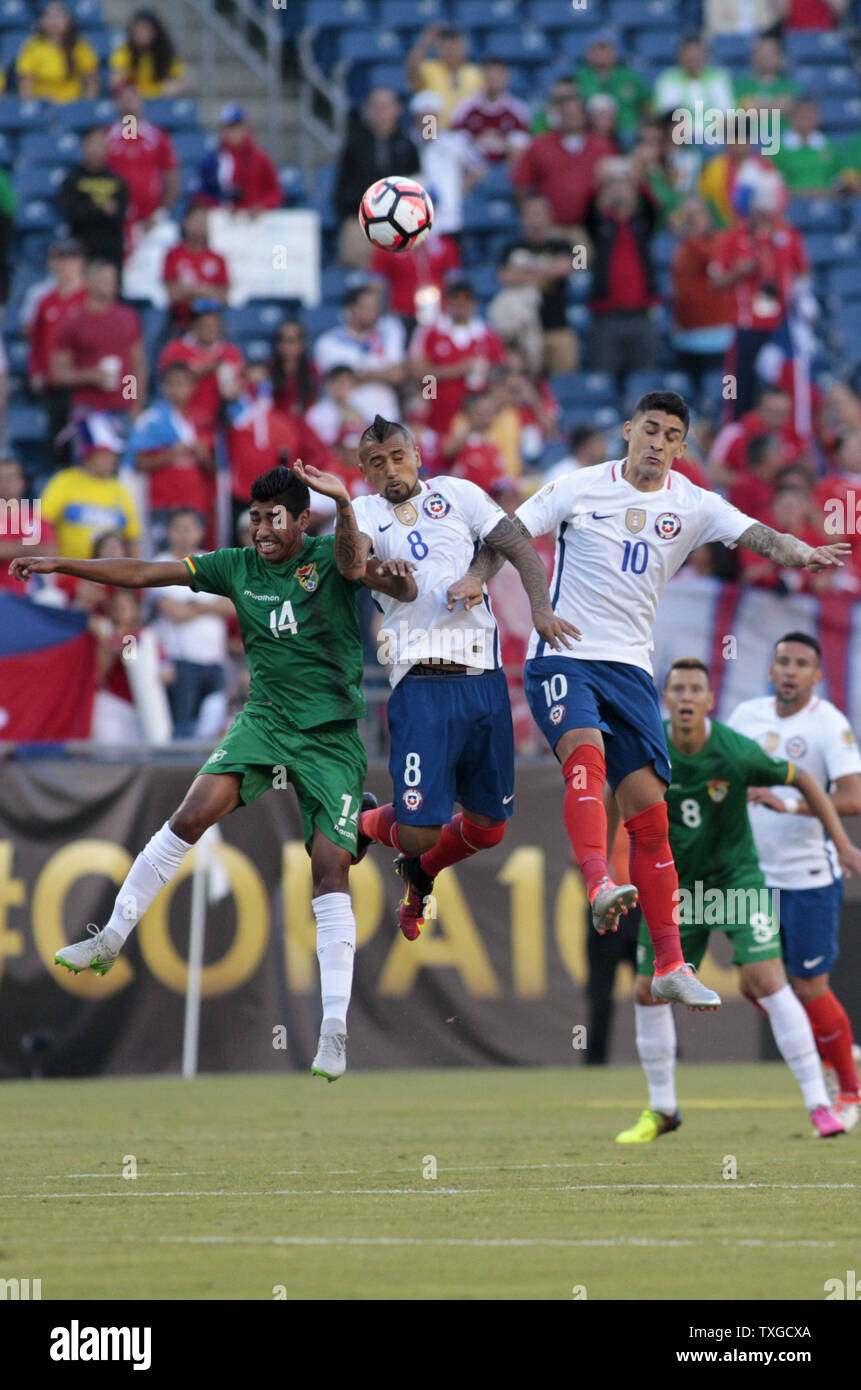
(543, 511)
(363, 519)
(214, 573)
(759, 769)
(719, 520)
(841, 751)
(479, 511)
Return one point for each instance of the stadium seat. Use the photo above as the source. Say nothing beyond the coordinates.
(663, 249)
(103, 41)
(36, 215)
(18, 115)
(485, 14)
(555, 18)
(844, 283)
(577, 316)
(320, 320)
(17, 353)
(497, 181)
(15, 14)
(578, 288)
(80, 115)
(409, 15)
(39, 181)
(643, 14)
(824, 249)
(86, 12)
(637, 383)
(602, 417)
(39, 148)
(368, 46)
(191, 145)
(387, 75)
(524, 44)
(573, 43)
(337, 279)
(584, 388)
(483, 214)
(816, 46)
(841, 114)
(256, 349)
(172, 113)
(7, 150)
(710, 400)
(26, 424)
(658, 46)
(252, 321)
(10, 42)
(484, 281)
(815, 215)
(833, 80)
(292, 181)
(340, 14)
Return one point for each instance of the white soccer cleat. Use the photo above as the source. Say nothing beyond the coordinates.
(611, 902)
(98, 953)
(832, 1083)
(847, 1110)
(681, 986)
(331, 1058)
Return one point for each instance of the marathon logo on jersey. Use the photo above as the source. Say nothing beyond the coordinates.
(796, 747)
(718, 790)
(771, 743)
(406, 513)
(635, 519)
(556, 715)
(412, 799)
(435, 506)
(668, 526)
(308, 577)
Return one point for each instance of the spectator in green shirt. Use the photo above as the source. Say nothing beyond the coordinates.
(849, 163)
(604, 75)
(548, 117)
(766, 84)
(807, 159)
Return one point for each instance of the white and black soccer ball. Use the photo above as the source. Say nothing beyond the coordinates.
(396, 213)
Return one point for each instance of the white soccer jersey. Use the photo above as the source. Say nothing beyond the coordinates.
(616, 550)
(437, 529)
(794, 851)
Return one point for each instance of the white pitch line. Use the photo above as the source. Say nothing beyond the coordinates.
(430, 1189)
(509, 1241)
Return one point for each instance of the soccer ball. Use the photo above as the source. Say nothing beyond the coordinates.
(396, 213)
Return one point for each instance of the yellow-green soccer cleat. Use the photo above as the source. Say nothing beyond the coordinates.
(98, 953)
(331, 1057)
(651, 1125)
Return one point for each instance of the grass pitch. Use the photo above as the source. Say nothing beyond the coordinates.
(252, 1187)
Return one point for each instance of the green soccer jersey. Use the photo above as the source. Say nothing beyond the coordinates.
(300, 627)
(710, 833)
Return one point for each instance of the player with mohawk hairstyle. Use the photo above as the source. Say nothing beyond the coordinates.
(449, 715)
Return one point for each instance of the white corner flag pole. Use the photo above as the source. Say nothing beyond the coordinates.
(195, 957)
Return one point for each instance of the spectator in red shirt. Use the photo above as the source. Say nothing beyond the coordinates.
(496, 122)
(468, 452)
(763, 259)
(295, 379)
(238, 175)
(562, 165)
(98, 354)
(813, 14)
(178, 460)
(215, 362)
(702, 314)
(454, 354)
(791, 512)
(192, 270)
(753, 490)
(773, 415)
(620, 220)
(49, 313)
(143, 156)
(415, 282)
(22, 532)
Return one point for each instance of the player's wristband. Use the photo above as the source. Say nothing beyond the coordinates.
(794, 807)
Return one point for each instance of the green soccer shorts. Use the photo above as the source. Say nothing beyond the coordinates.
(326, 765)
(746, 915)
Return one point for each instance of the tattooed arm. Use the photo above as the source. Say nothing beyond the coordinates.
(487, 563)
(510, 540)
(789, 551)
(352, 546)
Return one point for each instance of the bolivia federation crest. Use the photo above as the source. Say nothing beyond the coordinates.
(435, 506)
(668, 526)
(308, 577)
(718, 790)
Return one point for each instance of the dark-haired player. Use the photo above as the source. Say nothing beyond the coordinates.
(623, 529)
(797, 856)
(299, 624)
(722, 888)
(449, 716)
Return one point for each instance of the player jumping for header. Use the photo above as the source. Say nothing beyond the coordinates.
(722, 888)
(449, 716)
(623, 529)
(299, 623)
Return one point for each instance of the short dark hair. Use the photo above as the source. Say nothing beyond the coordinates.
(383, 429)
(283, 486)
(668, 401)
(773, 388)
(173, 367)
(185, 511)
(355, 292)
(688, 663)
(93, 130)
(340, 369)
(758, 448)
(580, 434)
(800, 637)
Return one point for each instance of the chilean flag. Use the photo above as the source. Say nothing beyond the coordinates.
(47, 672)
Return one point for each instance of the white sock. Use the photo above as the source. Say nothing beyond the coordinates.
(794, 1037)
(336, 949)
(155, 866)
(656, 1045)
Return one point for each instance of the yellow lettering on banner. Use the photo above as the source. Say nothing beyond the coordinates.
(243, 957)
(300, 928)
(572, 925)
(78, 860)
(523, 872)
(458, 944)
(12, 894)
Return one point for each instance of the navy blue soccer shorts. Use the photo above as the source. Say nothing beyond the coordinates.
(618, 699)
(451, 740)
(809, 927)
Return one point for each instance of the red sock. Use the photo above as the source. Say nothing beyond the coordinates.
(832, 1032)
(653, 871)
(380, 824)
(585, 773)
(460, 839)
